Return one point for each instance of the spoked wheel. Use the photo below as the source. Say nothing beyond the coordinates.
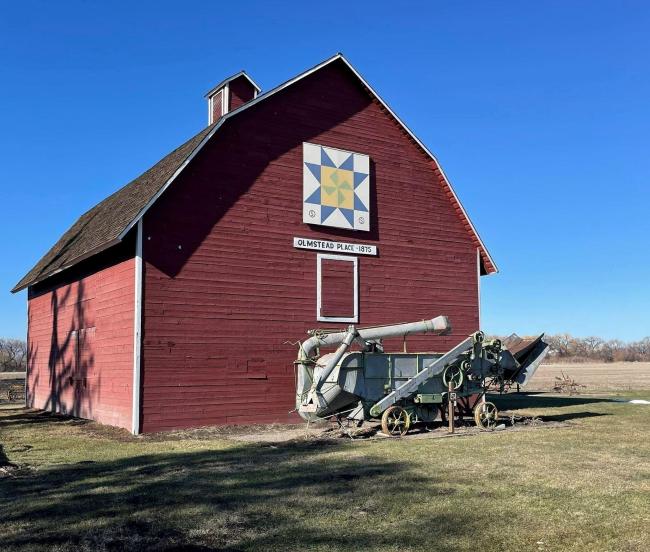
(453, 375)
(486, 415)
(395, 421)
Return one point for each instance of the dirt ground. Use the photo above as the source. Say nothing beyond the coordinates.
(326, 431)
(596, 377)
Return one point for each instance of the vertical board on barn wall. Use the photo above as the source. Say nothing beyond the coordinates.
(137, 332)
(221, 308)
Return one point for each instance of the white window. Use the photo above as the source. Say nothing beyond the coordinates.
(337, 293)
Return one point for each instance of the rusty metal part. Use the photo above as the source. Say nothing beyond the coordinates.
(520, 347)
(486, 415)
(395, 421)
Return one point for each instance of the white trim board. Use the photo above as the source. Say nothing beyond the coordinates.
(225, 99)
(355, 260)
(137, 334)
(478, 285)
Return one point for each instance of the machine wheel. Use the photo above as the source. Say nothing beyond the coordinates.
(486, 415)
(395, 421)
(454, 375)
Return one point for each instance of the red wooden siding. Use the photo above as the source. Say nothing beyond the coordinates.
(241, 91)
(80, 343)
(337, 288)
(224, 288)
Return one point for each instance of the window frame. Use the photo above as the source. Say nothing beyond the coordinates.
(211, 118)
(355, 261)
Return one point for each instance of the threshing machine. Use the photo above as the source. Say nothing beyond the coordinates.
(404, 388)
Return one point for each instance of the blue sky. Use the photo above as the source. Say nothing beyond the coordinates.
(538, 112)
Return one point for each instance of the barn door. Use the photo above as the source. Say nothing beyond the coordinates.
(337, 288)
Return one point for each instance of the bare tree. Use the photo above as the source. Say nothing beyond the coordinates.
(643, 347)
(592, 346)
(561, 344)
(13, 355)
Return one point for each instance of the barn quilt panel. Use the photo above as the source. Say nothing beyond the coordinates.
(336, 188)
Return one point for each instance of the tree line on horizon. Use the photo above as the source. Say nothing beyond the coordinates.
(564, 348)
(567, 348)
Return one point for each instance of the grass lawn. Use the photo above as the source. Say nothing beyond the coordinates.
(583, 486)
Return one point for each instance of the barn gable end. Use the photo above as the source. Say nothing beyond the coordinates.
(225, 289)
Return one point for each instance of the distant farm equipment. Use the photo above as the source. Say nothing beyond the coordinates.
(402, 389)
(566, 384)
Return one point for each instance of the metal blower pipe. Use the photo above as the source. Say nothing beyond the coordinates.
(343, 347)
(438, 325)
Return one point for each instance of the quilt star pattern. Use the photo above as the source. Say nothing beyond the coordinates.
(336, 188)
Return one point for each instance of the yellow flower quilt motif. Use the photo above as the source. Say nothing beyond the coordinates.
(336, 187)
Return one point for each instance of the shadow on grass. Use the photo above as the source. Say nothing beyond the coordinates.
(25, 416)
(539, 400)
(571, 416)
(4, 460)
(247, 497)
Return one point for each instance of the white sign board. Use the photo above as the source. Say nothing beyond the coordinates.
(334, 247)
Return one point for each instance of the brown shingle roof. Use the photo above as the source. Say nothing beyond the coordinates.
(100, 227)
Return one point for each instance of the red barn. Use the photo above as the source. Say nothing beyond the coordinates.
(172, 303)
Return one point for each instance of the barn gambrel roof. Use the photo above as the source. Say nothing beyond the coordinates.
(108, 222)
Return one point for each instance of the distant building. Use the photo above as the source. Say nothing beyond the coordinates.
(172, 303)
